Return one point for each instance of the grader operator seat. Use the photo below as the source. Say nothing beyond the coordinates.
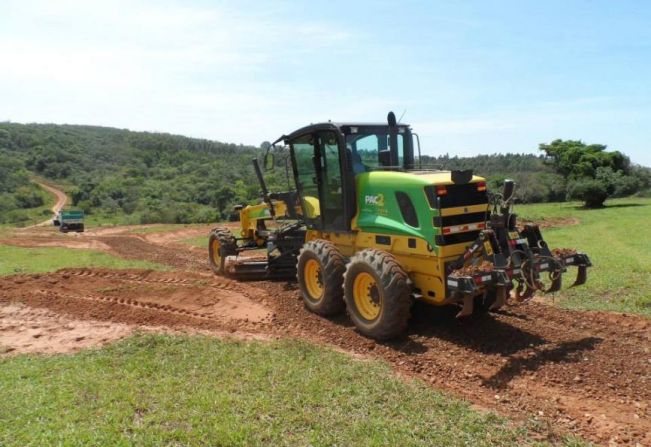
(356, 161)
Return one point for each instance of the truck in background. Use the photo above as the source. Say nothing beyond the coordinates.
(69, 220)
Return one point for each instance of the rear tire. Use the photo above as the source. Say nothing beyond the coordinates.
(320, 271)
(376, 291)
(221, 244)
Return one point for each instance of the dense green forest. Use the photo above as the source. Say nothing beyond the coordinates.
(134, 177)
(17, 191)
(141, 177)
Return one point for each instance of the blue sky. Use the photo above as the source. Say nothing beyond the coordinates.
(473, 77)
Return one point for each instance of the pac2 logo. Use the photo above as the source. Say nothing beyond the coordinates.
(376, 200)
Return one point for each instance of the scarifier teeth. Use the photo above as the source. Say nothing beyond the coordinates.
(500, 298)
(468, 306)
(556, 284)
(522, 294)
(581, 276)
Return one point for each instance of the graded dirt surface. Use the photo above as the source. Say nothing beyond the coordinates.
(558, 371)
(25, 329)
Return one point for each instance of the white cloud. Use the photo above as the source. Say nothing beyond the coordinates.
(200, 70)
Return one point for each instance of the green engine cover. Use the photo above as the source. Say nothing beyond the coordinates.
(378, 209)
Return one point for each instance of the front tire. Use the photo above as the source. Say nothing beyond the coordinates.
(221, 244)
(319, 271)
(376, 292)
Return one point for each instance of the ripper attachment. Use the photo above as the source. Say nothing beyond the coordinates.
(505, 258)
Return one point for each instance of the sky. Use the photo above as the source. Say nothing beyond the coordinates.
(471, 77)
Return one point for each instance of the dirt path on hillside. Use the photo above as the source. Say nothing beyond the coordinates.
(61, 201)
(558, 371)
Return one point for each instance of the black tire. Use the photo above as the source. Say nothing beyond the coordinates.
(389, 292)
(221, 244)
(331, 266)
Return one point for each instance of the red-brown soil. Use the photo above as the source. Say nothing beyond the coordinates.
(586, 373)
(25, 329)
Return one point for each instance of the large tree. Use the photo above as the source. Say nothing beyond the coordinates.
(592, 173)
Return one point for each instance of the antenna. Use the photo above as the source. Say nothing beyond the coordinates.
(401, 116)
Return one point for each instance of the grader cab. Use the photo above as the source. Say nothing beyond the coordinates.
(369, 230)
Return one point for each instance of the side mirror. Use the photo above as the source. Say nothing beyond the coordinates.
(269, 161)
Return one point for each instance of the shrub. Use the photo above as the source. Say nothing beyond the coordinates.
(592, 192)
(27, 197)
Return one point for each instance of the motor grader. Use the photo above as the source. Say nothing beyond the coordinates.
(367, 229)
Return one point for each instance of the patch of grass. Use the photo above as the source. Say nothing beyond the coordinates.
(23, 217)
(15, 260)
(618, 240)
(95, 220)
(172, 390)
(197, 241)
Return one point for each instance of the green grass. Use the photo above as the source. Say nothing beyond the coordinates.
(15, 260)
(197, 241)
(618, 240)
(167, 390)
(29, 216)
(96, 220)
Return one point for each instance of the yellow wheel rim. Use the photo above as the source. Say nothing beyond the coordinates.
(313, 279)
(216, 256)
(367, 296)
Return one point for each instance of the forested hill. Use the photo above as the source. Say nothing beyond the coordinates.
(141, 177)
(150, 177)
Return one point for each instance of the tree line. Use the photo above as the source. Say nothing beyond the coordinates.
(142, 177)
(564, 170)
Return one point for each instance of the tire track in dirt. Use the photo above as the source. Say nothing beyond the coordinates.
(138, 248)
(218, 302)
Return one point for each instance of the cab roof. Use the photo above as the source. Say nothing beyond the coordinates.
(332, 126)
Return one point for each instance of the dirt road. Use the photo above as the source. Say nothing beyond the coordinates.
(555, 370)
(61, 197)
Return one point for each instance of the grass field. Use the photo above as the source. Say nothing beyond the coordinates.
(618, 240)
(167, 390)
(37, 260)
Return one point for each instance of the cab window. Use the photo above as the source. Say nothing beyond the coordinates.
(365, 149)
